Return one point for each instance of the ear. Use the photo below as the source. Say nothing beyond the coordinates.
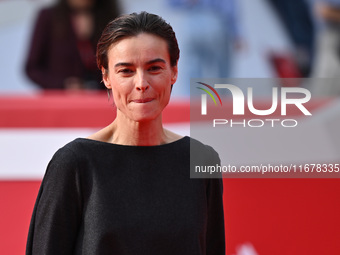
(174, 73)
(106, 80)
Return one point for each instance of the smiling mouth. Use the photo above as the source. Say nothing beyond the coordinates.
(142, 101)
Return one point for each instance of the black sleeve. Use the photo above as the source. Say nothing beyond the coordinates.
(215, 224)
(58, 210)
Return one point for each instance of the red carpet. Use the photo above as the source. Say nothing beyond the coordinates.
(17, 200)
(278, 216)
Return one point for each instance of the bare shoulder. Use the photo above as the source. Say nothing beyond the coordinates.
(103, 135)
(171, 136)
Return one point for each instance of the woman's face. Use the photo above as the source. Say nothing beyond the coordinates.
(140, 76)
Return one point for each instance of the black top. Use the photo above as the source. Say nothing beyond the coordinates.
(103, 198)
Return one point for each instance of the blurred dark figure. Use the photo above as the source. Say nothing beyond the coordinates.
(327, 54)
(209, 35)
(297, 19)
(63, 46)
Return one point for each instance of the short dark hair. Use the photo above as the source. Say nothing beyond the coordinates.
(132, 25)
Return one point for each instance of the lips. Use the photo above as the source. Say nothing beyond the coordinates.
(142, 100)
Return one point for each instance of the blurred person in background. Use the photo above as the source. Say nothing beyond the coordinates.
(327, 55)
(298, 22)
(62, 50)
(209, 34)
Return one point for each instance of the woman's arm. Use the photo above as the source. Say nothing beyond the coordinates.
(215, 223)
(58, 210)
(215, 227)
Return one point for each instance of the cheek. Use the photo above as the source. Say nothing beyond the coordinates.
(164, 84)
(165, 93)
(120, 92)
(117, 94)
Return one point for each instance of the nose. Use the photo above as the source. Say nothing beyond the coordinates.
(141, 82)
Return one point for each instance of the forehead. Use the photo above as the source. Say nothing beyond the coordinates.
(142, 47)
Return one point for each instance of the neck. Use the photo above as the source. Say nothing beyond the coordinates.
(142, 133)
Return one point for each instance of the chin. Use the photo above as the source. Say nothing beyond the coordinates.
(142, 119)
(146, 116)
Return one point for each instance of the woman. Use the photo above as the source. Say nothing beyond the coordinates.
(63, 46)
(127, 189)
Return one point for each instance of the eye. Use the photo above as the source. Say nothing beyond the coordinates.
(155, 69)
(125, 71)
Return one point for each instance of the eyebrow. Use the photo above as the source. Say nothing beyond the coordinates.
(123, 64)
(156, 60)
